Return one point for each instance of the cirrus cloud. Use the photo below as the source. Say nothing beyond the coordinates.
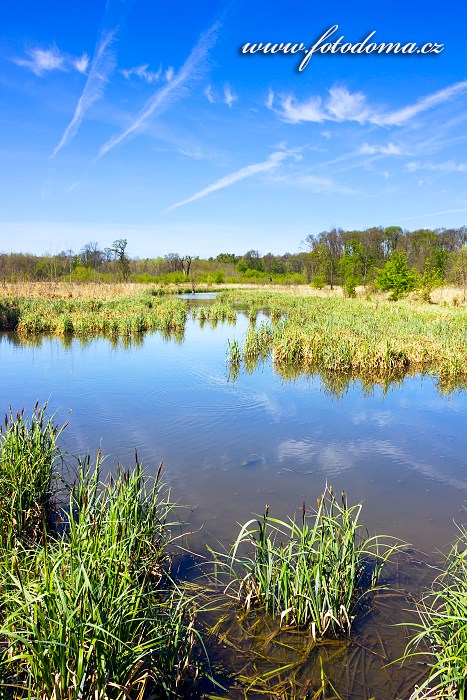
(42, 61)
(271, 163)
(342, 105)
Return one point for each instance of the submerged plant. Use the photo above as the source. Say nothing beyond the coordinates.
(312, 573)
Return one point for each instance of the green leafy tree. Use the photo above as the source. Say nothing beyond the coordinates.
(350, 266)
(434, 273)
(396, 276)
(460, 269)
(328, 247)
(228, 258)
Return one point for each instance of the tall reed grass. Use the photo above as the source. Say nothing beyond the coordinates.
(313, 573)
(29, 450)
(441, 636)
(88, 317)
(353, 335)
(89, 609)
(221, 310)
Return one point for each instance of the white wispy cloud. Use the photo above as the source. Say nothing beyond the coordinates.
(73, 186)
(143, 73)
(343, 105)
(323, 184)
(195, 153)
(308, 111)
(433, 213)
(401, 116)
(389, 150)
(102, 65)
(41, 61)
(209, 94)
(448, 167)
(229, 96)
(271, 163)
(81, 64)
(169, 74)
(269, 102)
(192, 69)
(314, 183)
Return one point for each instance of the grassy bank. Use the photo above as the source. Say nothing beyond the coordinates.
(369, 338)
(357, 336)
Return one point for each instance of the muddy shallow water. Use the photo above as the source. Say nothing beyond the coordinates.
(230, 447)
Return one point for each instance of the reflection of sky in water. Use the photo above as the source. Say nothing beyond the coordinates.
(229, 448)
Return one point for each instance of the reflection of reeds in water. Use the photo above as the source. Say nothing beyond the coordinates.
(235, 355)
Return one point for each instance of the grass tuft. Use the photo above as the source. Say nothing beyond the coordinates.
(89, 610)
(312, 573)
(441, 635)
(29, 451)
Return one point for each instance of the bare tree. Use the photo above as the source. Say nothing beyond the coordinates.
(118, 249)
(91, 256)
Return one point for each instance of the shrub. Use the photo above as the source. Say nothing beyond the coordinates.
(318, 281)
(396, 276)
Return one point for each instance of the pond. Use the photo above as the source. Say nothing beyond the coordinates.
(230, 447)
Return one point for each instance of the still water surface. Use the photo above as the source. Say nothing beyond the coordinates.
(231, 447)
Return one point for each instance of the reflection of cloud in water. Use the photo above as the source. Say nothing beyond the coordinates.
(332, 459)
(335, 458)
(387, 449)
(270, 405)
(300, 450)
(380, 418)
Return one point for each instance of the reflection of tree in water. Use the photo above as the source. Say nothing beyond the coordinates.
(337, 384)
(115, 341)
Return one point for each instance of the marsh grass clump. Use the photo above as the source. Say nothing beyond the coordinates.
(89, 609)
(123, 317)
(252, 313)
(313, 573)
(221, 310)
(359, 336)
(441, 636)
(234, 353)
(28, 454)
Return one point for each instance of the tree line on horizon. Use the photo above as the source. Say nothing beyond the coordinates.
(334, 257)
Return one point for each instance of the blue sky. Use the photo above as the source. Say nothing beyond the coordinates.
(144, 120)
